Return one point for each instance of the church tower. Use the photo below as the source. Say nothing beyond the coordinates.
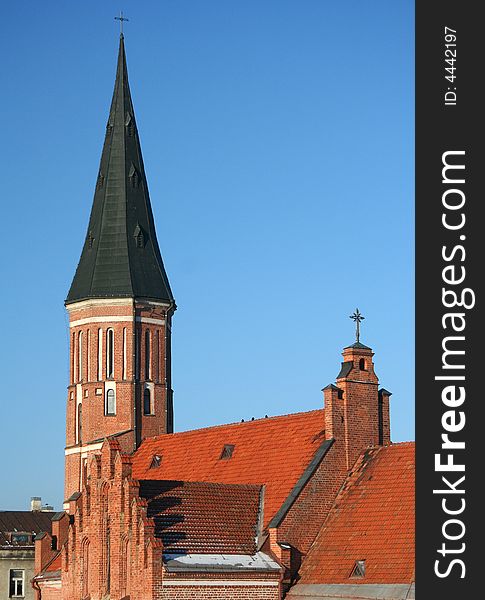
(120, 306)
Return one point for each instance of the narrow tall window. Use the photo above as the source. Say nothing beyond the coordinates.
(156, 357)
(137, 354)
(110, 408)
(123, 376)
(110, 353)
(17, 577)
(73, 354)
(88, 355)
(147, 354)
(100, 354)
(80, 356)
(147, 402)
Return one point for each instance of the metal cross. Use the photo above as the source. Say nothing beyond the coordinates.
(357, 317)
(121, 18)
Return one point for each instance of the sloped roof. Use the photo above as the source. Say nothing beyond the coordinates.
(120, 256)
(23, 521)
(199, 517)
(372, 520)
(273, 451)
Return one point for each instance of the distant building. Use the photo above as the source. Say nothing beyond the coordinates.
(18, 529)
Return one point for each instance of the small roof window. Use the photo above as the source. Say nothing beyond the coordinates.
(227, 451)
(156, 461)
(359, 569)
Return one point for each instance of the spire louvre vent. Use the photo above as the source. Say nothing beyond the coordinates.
(130, 125)
(134, 176)
(139, 236)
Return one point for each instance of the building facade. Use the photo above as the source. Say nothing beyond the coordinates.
(18, 529)
(232, 511)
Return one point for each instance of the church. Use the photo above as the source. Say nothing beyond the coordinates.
(312, 505)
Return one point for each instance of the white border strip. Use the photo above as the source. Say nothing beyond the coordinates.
(220, 582)
(81, 449)
(89, 320)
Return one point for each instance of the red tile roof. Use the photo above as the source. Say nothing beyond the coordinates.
(372, 520)
(204, 517)
(273, 451)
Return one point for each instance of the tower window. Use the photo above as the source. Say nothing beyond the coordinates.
(137, 355)
(362, 364)
(100, 354)
(147, 402)
(110, 409)
(227, 451)
(123, 375)
(80, 356)
(147, 354)
(358, 570)
(110, 353)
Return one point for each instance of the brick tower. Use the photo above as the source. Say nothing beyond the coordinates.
(356, 410)
(120, 306)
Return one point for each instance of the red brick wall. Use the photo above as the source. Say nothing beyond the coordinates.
(352, 418)
(110, 501)
(221, 593)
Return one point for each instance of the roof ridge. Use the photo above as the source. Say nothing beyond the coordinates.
(214, 483)
(236, 423)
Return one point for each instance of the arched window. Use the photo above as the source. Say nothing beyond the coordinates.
(110, 353)
(100, 354)
(362, 364)
(73, 358)
(147, 354)
(137, 354)
(88, 355)
(110, 408)
(156, 356)
(147, 402)
(123, 375)
(80, 356)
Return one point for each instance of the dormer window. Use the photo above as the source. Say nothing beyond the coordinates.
(139, 236)
(359, 570)
(156, 461)
(21, 538)
(227, 451)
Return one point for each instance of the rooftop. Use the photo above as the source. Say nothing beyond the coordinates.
(372, 520)
(23, 521)
(199, 517)
(272, 451)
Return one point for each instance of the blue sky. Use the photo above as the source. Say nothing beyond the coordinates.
(278, 139)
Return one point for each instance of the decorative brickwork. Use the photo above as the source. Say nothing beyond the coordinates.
(120, 379)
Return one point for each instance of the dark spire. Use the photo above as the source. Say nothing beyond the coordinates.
(121, 257)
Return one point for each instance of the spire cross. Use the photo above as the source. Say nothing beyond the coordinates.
(357, 317)
(121, 18)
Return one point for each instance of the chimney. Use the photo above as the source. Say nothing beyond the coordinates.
(36, 503)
